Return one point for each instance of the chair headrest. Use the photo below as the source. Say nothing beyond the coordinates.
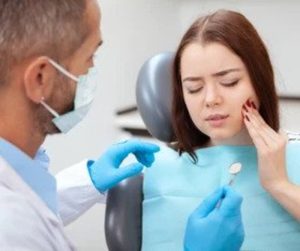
(154, 95)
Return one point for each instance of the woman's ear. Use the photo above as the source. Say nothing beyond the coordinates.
(38, 79)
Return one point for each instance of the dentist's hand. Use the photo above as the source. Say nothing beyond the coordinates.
(213, 228)
(106, 172)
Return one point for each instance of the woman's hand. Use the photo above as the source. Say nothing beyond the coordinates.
(271, 147)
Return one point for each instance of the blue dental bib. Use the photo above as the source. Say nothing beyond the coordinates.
(174, 186)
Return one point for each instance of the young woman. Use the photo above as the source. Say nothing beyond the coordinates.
(225, 113)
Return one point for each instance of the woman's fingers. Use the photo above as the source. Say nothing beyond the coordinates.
(258, 141)
(258, 129)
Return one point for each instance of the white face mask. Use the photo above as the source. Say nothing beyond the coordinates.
(84, 96)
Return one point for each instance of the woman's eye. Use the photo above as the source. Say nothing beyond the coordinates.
(192, 91)
(230, 83)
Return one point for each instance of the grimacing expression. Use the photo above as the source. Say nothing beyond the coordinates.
(215, 84)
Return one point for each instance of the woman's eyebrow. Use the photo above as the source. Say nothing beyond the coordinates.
(217, 74)
(194, 79)
(224, 72)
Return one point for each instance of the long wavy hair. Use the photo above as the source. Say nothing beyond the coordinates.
(234, 31)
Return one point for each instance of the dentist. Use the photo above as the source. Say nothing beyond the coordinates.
(47, 50)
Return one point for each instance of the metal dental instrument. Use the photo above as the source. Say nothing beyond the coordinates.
(234, 169)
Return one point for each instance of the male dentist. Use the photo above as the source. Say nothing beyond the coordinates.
(47, 50)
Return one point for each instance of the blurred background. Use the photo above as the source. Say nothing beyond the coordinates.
(135, 30)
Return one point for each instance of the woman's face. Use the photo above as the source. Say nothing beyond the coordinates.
(215, 84)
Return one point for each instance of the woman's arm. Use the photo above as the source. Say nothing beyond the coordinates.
(271, 153)
(288, 195)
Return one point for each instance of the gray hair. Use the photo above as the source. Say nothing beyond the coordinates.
(30, 28)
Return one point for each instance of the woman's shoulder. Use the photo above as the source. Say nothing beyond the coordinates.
(293, 156)
(293, 147)
(293, 136)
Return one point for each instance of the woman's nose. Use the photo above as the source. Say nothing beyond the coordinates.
(212, 96)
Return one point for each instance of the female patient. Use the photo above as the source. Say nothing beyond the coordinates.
(225, 111)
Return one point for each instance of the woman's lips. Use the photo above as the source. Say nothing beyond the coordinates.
(217, 120)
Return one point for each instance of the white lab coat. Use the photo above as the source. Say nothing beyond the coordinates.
(76, 192)
(26, 223)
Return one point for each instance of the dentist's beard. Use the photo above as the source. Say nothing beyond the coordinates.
(62, 102)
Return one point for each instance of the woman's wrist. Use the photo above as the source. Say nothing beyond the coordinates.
(278, 188)
(287, 194)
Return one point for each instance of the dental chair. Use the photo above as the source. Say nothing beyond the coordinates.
(123, 217)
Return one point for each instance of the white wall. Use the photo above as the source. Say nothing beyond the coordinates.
(134, 30)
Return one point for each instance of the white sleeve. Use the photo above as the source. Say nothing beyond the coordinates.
(76, 192)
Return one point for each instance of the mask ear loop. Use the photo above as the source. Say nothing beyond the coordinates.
(63, 70)
(54, 113)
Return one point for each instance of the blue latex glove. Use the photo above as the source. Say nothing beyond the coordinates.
(213, 228)
(105, 172)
